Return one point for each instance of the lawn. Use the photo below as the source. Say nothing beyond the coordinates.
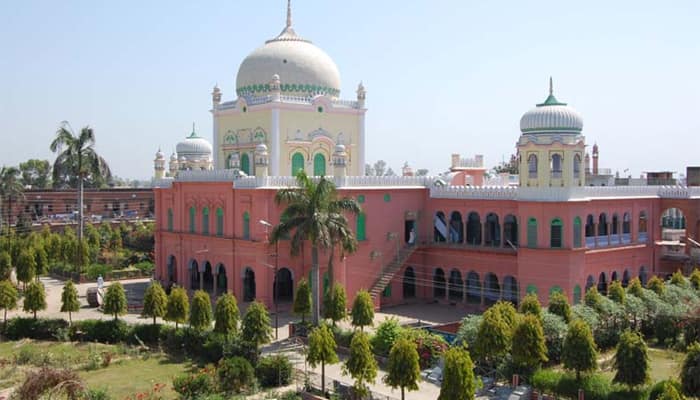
(664, 364)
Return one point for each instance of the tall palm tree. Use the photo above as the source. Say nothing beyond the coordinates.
(314, 213)
(10, 188)
(78, 158)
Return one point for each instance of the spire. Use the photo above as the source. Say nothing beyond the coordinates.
(289, 13)
(551, 87)
(194, 133)
(551, 100)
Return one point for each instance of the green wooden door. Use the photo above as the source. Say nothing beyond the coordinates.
(245, 164)
(297, 163)
(319, 165)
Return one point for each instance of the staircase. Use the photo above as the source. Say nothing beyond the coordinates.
(388, 272)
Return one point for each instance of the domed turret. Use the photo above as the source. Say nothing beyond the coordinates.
(552, 116)
(303, 68)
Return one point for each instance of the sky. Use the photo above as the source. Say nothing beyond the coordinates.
(442, 76)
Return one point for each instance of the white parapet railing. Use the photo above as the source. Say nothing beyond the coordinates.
(216, 175)
(163, 183)
(475, 192)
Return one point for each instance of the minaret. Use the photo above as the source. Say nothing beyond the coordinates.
(588, 164)
(340, 161)
(261, 160)
(216, 97)
(361, 95)
(275, 88)
(159, 165)
(595, 159)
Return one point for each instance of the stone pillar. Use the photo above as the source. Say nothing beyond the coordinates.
(261, 161)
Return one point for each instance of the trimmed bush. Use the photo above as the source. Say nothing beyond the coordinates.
(195, 385)
(596, 386)
(387, 333)
(91, 330)
(658, 388)
(149, 334)
(235, 374)
(274, 371)
(30, 328)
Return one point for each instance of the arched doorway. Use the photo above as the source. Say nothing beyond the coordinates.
(297, 163)
(245, 163)
(473, 288)
(643, 275)
(172, 269)
(603, 284)
(492, 231)
(590, 282)
(456, 287)
(613, 276)
(319, 165)
(492, 290)
(194, 275)
(510, 231)
(510, 290)
(625, 278)
(439, 227)
(474, 228)
(439, 283)
(409, 283)
(221, 280)
(456, 228)
(284, 285)
(248, 285)
(208, 277)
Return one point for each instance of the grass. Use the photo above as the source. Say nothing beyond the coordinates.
(664, 363)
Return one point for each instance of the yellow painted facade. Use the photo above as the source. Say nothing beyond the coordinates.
(545, 176)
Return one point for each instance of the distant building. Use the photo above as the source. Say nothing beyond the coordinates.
(693, 176)
(664, 178)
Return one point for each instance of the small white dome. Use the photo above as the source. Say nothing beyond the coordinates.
(160, 155)
(194, 145)
(551, 116)
(261, 148)
(340, 148)
(173, 157)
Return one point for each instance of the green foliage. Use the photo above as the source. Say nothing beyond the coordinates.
(658, 388)
(322, 350)
(178, 306)
(593, 299)
(468, 331)
(559, 305)
(386, 334)
(690, 371)
(678, 279)
(361, 364)
(226, 315)
(631, 360)
(255, 327)
(616, 292)
(529, 350)
(29, 328)
(26, 265)
(195, 385)
(235, 374)
(507, 312)
(362, 310)
(403, 369)
(36, 173)
(695, 279)
(579, 353)
(302, 300)
(274, 371)
(41, 260)
(115, 300)
(200, 311)
(8, 297)
(595, 386)
(555, 330)
(69, 299)
(155, 301)
(656, 285)
(34, 298)
(335, 304)
(670, 393)
(430, 346)
(5, 265)
(635, 287)
(457, 376)
(531, 305)
(494, 337)
(102, 331)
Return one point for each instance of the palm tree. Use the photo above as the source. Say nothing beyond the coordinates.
(77, 157)
(314, 213)
(10, 188)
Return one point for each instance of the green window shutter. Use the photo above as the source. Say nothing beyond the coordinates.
(360, 231)
(361, 198)
(246, 226)
(192, 214)
(170, 219)
(532, 233)
(577, 232)
(577, 294)
(319, 165)
(531, 289)
(219, 222)
(205, 221)
(387, 290)
(387, 197)
(555, 289)
(556, 240)
(297, 163)
(245, 163)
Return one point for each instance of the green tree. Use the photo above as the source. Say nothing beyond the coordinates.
(529, 348)
(579, 352)
(322, 350)
(314, 213)
(361, 364)
(11, 189)
(531, 305)
(255, 327)
(178, 307)
(115, 300)
(78, 160)
(155, 301)
(678, 279)
(631, 360)
(36, 173)
(670, 393)
(494, 337)
(635, 288)
(26, 266)
(695, 279)
(8, 297)
(200, 310)
(41, 259)
(34, 298)
(457, 376)
(403, 370)
(69, 299)
(226, 315)
(362, 309)
(690, 371)
(5, 265)
(335, 306)
(616, 292)
(593, 299)
(657, 285)
(559, 305)
(302, 300)
(506, 311)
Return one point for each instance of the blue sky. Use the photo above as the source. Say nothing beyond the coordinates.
(442, 76)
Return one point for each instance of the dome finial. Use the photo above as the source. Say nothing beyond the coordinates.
(551, 86)
(289, 13)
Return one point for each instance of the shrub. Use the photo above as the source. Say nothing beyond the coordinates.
(274, 371)
(468, 330)
(90, 330)
(147, 333)
(235, 374)
(37, 329)
(387, 333)
(596, 386)
(554, 333)
(343, 337)
(37, 383)
(146, 267)
(95, 270)
(429, 345)
(97, 394)
(195, 385)
(658, 388)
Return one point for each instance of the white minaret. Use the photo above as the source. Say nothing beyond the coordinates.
(262, 160)
(159, 165)
(340, 161)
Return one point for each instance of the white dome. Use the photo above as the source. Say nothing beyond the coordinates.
(160, 155)
(194, 145)
(303, 68)
(551, 116)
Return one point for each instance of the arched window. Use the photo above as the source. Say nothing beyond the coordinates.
(603, 229)
(205, 221)
(473, 228)
(555, 166)
(615, 229)
(456, 228)
(590, 231)
(532, 166)
(297, 163)
(577, 232)
(555, 237)
(492, 231)
(439, 227)
(319, 165)
(642, 226)
(170, 219)
(361, 229)
(246, 226)
(219, 221)
(245, 163)
(577, 294)
(192, 214)
(577, 166)
(532, 233)
(510, 230)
